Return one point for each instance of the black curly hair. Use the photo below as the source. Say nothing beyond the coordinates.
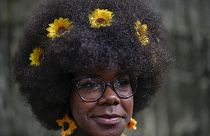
(47, 87)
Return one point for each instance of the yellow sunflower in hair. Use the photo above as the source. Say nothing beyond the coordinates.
(142, 33)
(67, 124)
(101, 18)
(35, 56)
(59, 27)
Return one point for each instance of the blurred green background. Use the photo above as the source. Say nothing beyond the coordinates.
(181, 108)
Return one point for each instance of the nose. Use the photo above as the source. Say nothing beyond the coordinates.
(109, 97)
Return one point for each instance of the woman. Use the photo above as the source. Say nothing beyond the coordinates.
(86, 66)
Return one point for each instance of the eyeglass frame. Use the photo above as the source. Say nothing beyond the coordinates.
(105, 83)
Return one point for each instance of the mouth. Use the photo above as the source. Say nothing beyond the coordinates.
(108, 119)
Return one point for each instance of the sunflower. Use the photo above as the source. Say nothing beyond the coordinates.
(132, 124)
(101, 18)
(59, 27)
(67, 124)
(142, 33)
(35, 56)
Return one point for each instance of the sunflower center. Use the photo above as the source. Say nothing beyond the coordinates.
(65, 125)
(100, 20)
(61, 30)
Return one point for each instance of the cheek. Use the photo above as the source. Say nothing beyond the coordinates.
(76, 107)
(80, 109)
(128, 106)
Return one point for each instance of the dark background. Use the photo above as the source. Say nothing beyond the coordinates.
(182, 108)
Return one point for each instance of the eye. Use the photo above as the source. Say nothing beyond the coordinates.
(89, 83)
(121, 83)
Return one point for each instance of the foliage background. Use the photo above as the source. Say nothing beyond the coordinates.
(182, 108)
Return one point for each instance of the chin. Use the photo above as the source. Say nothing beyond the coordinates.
(108, 132)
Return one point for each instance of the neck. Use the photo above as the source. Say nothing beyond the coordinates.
(82, 133)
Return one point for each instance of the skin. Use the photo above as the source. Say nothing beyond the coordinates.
(88, 114)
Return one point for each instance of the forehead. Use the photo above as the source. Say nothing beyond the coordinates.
(107, 74)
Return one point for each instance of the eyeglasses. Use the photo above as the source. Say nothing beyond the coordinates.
(92, 88)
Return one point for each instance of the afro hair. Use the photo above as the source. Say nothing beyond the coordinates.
(47, 87)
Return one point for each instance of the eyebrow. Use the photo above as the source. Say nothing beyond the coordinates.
(118, 74)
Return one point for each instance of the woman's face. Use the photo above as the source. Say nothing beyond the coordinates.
(108, 116)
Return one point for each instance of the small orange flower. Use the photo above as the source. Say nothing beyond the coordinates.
(132, 124)
(142, 33)
(67, 124)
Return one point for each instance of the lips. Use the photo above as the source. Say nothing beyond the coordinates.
(108, 119)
